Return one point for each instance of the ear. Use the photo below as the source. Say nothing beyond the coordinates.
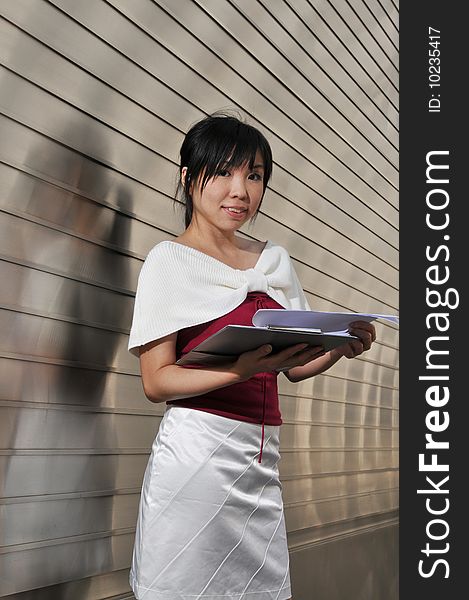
(183, 175)
(183, 180)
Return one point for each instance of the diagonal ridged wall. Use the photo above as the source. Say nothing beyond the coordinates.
(95, 97)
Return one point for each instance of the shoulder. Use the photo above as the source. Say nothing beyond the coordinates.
(156, 260)
(259, 247)
(251, 245)
(160, 250)
(275, 248)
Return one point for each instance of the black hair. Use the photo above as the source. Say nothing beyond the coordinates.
(219, 140)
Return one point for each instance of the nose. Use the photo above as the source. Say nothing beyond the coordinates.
(238, 187)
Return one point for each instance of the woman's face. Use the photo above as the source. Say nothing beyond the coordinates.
(239, 189)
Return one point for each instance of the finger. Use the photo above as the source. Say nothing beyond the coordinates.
(314, 351)
(365, 337)
(264, 350)
(361, 324)
(291, 350)
(365, 329)
(282, 356)
(346, 350)
(365, 326)
(297, 355)
(357, 347)
(309, 354)
(302, 358)
(351, 349)
(299, 358)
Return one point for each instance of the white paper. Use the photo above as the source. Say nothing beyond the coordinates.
(327, 322)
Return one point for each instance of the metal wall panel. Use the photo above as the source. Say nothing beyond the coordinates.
(95, 99)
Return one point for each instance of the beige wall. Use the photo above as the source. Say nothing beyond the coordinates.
(95, 98)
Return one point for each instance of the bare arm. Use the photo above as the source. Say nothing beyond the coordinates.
(314, 367)
(164, 381)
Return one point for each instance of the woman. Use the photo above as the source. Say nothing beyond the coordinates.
(210, 523)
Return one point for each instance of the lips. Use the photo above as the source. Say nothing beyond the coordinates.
(239, 208)
(235, 215)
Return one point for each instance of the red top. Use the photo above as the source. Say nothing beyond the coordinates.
(254, 400)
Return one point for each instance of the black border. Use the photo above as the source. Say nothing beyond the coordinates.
(421, 132)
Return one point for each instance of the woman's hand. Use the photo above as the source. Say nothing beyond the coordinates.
(260, 359)
(363, 330)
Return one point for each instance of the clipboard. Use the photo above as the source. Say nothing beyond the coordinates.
(232, 340)
(280, 328)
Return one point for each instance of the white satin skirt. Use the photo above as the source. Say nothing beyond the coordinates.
(210, 522)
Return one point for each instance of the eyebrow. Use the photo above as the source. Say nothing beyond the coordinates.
(258, 166)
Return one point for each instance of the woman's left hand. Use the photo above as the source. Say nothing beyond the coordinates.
(367, 335)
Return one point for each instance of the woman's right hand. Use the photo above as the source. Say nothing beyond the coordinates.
(261, 360)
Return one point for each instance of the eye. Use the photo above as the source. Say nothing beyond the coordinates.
(223, 173)
(255, 177)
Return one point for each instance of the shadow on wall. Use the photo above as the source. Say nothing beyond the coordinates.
(76, 442)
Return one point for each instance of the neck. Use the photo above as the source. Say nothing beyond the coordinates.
(210, 237)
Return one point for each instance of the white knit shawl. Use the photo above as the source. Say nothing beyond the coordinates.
(179, 286)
